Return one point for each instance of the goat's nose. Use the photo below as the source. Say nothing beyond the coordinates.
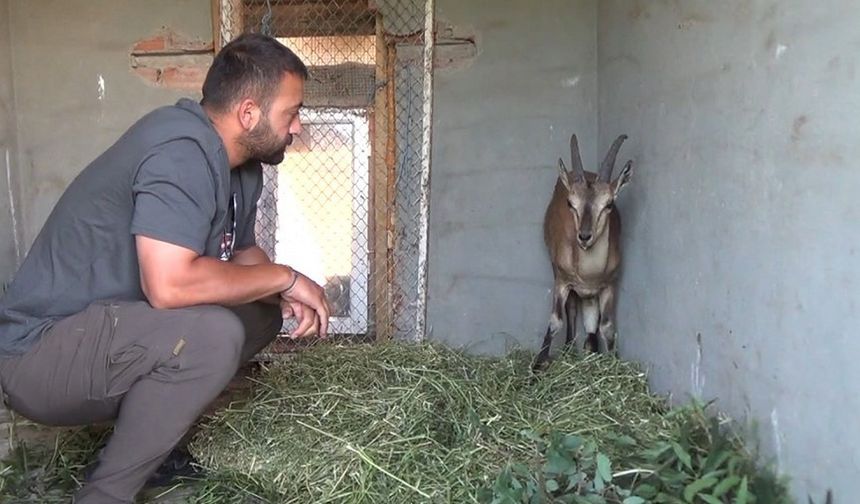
(584, 237)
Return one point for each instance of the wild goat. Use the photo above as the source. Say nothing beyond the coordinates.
(582, 231)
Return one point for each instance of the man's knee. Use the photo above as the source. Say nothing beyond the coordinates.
(273, 318)
(262, 321)
(218, 333)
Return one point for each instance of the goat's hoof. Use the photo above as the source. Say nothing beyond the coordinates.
(592, 344)
(540, 366)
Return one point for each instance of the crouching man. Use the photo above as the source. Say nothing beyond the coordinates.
(145, 291)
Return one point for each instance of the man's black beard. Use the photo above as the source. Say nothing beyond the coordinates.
(264, 146)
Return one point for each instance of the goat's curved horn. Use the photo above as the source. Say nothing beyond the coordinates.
(576, 160)
(609, 162)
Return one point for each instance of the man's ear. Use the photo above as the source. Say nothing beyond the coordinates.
(248, 114)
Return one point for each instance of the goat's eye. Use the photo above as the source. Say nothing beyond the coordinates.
(610, 207)
(569, 205)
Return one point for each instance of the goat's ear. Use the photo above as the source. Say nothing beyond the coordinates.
(623, 178)
(563, 174)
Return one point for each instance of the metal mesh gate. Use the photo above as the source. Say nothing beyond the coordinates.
(348, 206)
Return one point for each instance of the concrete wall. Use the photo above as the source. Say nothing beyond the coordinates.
(499, 127)
(740, 223)
(742, 219)
(8, 151)
(74, 88)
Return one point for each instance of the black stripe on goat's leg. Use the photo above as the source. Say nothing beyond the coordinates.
(607, 318)
(571, 306)
(542, 359)
(555, 322)
(591, 343)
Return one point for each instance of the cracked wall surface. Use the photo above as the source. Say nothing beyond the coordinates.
(741, 222)
(9, 193)
(75, 89)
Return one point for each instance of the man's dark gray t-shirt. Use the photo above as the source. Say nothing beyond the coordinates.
(166, 178)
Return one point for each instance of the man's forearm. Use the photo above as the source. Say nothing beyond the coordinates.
(210, 281)
(255, 255)
(251, 256)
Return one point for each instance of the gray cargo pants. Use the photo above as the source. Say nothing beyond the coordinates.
(152, 371)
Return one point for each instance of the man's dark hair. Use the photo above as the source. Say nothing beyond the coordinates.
(251, 65)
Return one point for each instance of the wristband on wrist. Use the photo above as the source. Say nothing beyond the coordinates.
(296, 275)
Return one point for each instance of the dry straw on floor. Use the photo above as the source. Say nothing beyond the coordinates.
(393, 423)
(396, 423)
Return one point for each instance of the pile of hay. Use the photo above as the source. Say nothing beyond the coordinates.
(397, 423)
(423, 424)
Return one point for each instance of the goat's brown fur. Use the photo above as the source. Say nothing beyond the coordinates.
(582, 232)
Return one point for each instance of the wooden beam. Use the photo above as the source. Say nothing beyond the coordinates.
(380, 255)
(237, 17)
(229, 15)
(215, 6)
(313, 19)
(393, 299)
(346, 85)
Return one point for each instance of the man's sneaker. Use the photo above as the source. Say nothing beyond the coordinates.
(179, 465)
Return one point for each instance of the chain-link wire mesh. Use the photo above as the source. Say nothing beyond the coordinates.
(345, 205)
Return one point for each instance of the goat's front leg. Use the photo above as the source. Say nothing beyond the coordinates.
(571, 306)
(608, 333)
(559, 295)
(591, 321)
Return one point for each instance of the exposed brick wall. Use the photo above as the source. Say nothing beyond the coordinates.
(172, 60)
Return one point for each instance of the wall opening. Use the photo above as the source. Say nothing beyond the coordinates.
(345, 205)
